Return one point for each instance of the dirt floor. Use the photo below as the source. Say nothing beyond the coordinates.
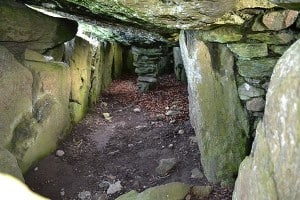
(125, 148)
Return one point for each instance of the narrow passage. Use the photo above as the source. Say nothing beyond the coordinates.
(121, 152)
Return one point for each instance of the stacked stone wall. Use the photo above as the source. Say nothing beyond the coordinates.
(255, 47)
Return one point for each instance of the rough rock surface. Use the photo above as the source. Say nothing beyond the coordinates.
(170, 191)
(37, 31)
(16, 95)
(272, 169)
(81, 69)
(215, 109)
(291, 4)
(9, 165)
(163, 15)
(34, 135)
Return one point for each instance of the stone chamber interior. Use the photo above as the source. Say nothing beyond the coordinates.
(238, 60)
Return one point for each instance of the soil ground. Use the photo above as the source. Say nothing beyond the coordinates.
(126, 148)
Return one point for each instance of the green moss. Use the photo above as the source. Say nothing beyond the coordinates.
(223, 34)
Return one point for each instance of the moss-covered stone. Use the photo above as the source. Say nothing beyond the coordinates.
(96, 75)
(80, 67)
(9, 164)
(253, 4)
(38, 133)
(118, 60)
(272, 37)
(256, 68)
(223, 34)
(278, 49)
(219, 120)
(272, 169)
(290, 4)
(247, 51)
(107, 63)
(258, 25)
(255, 175)
(170, 191)
(132, 195)
(16, 94)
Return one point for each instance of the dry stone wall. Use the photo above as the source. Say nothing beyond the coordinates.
(253, 48)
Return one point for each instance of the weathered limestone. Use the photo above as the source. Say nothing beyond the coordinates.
(37, 31)
(272, 169)
(16, 94)
(216, 114)
(9, 165)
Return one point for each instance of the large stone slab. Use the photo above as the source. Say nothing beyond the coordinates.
(272, 169)
(16, 94)
(20, 24)
(80, 67)
(38, 132)
(216, 114)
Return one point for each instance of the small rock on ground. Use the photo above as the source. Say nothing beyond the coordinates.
(196, 173)
(165, 166)
(114, 188)
(59, 153)
(84, 195)
(137, 110)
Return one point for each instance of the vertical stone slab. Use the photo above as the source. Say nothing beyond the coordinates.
(178, 65)
(16, 94)
(272, 169)
(118, 60)
(216, 114)
(96, 75)
(80, 66)
(107, 64)
(39, 132)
